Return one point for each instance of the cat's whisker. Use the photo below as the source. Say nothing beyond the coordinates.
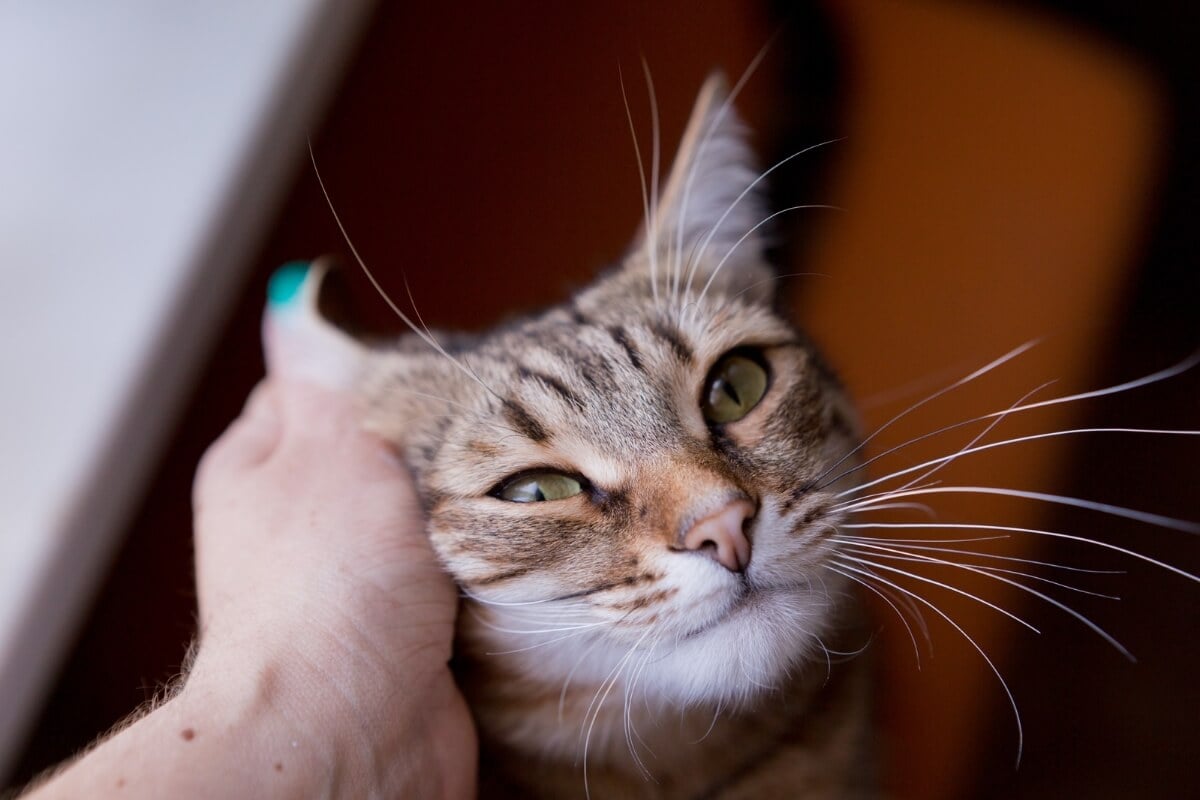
(713, 275)
(907, 443)
(909, 545)
(517, 650)
(598, 700)
(820, 481)
(847, 655)
(881, 551)
(882, 497)
(1158, 520)
(940, 584)
(1146, 380)
(535, 631)
(712, 231)
(909, 506)
(559, 602)
(630, 729)
(1155, 377)
(995, 670)
(649, 209)
(775, 278)
(884, 597)
(828, 659)
(470, 412)
(973, 441)
(713, 124)
(942, 460)
(915, 557)
(963, 540)
(1031, 531)
(717, 709)
(562, 695)
(423, 334)
(655, 160)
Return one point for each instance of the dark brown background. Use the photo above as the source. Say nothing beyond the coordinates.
(1007, 172)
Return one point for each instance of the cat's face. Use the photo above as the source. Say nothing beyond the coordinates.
(638, 474)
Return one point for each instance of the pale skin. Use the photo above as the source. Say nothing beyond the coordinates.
(326, 626)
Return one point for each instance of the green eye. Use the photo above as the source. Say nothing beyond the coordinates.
(539, 486)
(735, 385)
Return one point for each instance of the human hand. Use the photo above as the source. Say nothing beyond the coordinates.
(326, 622)
(318, 588)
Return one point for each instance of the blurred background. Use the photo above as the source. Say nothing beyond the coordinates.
(1006, 172)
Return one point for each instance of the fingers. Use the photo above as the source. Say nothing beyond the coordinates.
(299, 343)
(249, 440)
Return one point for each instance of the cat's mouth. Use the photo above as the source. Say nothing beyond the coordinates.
(747, 599)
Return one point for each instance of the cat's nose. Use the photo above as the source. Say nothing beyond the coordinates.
(721, 535)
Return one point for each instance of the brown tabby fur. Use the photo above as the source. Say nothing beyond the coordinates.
(588, 636)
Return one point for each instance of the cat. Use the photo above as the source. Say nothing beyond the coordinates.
(639, 493)
(633, 492)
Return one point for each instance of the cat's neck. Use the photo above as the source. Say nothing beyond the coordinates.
(816, 724)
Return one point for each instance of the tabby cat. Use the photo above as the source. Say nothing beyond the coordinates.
(633, 492)
(639, 493)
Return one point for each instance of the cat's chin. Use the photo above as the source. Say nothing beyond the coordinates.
(754, 648)
(760, 642)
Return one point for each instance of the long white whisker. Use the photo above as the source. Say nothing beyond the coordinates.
(995, 670)
(424, 335)
(648, 209)
(883, 552)
(942, 460)
(941, 585)
(1170, 372)
(713, 124)
(1004, 571)
(1032, 531)
(598, 703)
(508, 604)
(746, 236)
(974, 440)
(555, 640)
(630, 730)
(881, 498)
(907, 544)
(712, 231)
(903, 620)
(820, 481)
(1161, 375)
(1104, 508)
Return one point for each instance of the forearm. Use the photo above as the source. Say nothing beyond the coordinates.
(327, 626)
(208, 740)
(274, 733)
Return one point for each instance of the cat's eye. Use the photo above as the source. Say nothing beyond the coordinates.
(735, 385)
(536, 487)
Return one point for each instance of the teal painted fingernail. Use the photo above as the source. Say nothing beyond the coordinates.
(285, 284)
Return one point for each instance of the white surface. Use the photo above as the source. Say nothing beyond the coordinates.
(142, 143)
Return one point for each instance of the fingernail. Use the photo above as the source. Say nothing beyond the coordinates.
(284, 286)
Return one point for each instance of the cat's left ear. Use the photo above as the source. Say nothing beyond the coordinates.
(707, 224)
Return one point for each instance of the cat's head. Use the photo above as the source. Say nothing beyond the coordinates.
(635, 476)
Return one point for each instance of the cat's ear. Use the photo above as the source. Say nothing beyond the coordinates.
(706, 225)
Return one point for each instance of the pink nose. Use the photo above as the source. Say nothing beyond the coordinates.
(720, 535)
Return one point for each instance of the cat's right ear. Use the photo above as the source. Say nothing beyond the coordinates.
(300, 340)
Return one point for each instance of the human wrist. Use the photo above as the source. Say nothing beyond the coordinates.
(289, 718)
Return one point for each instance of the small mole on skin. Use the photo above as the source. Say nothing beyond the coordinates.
(188, 734)
(278, 766)
(120, 783)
